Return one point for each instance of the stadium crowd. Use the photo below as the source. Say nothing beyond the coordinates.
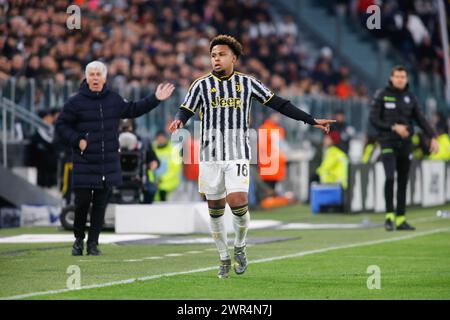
(144, 42)
(412, 27)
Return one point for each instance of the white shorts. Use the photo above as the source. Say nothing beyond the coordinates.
(217, 179)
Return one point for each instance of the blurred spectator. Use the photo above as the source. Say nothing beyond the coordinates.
(168, 174)
(17, 66)
(334, 166)
(416, 28)
(129, 140)
(344, 131)
(43, 152)
(287, 26)
(420, 146)
(344, 89)
(54, 113)
(371, 150)
(271, 157)
(323, 74)
(443, 139)
(412, 27)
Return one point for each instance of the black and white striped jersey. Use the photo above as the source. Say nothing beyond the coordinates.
(224, 106)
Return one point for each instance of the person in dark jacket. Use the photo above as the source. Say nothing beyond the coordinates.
(345, 131)
(44, 152)
(393, 110)
(89, 123)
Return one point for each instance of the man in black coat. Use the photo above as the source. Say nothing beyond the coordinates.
(89, 123)
(393, 110)
(44, 153)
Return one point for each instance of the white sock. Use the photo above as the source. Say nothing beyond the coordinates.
(219, 235)
(240, 225)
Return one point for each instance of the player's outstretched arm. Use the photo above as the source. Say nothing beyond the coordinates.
(286, 108)
(134, 109)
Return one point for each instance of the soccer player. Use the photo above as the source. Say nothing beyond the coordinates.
(223, 99)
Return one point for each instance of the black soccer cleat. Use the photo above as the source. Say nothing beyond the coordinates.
(93, 250)
(77, 248)
(389, 225)
(405, 226)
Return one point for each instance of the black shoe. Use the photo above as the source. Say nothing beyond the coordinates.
(389, 225)
(93, 250)
(405, 226)
(77, 248)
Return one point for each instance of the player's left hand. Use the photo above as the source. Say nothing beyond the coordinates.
(434, 146)
(174, 125)
(164, 91)
(324, 124)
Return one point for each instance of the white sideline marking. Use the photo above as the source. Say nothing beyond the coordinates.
(293, 255)
(133, 260)
(173, 255)
(323, 226)
(354, 245)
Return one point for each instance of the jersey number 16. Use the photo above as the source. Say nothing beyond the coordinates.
(242, 168)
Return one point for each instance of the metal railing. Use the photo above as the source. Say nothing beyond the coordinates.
(13, 113)
(33, 95)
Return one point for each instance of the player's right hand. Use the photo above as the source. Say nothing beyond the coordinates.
(174, 125)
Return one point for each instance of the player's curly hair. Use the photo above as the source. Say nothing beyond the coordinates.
(230, 41)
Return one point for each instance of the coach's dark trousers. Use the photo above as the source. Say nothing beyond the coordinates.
(83, 200)
(396, 156)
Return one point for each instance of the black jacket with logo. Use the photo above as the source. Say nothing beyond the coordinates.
(390, 106)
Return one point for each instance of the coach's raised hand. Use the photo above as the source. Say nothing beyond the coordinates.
(164, 91)
(324, 124)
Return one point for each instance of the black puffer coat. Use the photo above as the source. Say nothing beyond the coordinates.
(95, 117)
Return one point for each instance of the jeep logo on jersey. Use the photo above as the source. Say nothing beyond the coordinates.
(407, 99)
(222, 102)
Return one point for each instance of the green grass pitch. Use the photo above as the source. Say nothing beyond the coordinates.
(314, 264)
